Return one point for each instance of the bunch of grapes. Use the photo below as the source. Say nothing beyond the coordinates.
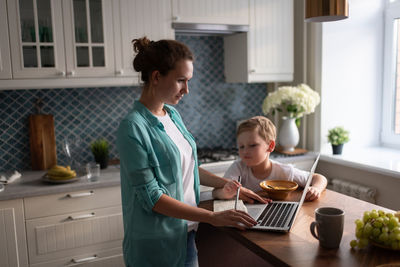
(380, 227)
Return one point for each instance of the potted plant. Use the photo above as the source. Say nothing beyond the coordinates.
(100, 150)
(337, 136)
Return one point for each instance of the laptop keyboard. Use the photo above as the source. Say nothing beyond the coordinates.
(276, 214)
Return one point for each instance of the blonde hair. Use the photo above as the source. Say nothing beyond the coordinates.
(266, 129)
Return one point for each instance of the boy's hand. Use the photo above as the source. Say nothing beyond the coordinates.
(229, 190)
(313, 193)
(249, 196)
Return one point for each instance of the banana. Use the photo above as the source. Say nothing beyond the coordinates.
(58, 172)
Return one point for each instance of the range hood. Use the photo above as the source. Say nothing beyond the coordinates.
(208, 29)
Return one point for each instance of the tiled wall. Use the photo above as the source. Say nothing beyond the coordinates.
(210, 111)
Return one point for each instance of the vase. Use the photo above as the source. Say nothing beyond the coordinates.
(337, 149)
(102, 160)
(288, 136)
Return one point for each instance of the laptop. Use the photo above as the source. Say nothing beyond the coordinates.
(279, 215)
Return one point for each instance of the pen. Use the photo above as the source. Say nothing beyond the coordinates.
(237, 194)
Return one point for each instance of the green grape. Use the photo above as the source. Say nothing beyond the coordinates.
(383, 237)
(359, 224)
(354, 243)
(392, 223)
(398, 236)
(376, 232)
(389, 215)
(385, 220)
(366, 216)
(392, 236)
(367, 229)
(381, 212)
(385, 229)
(377, 224)
(374, 214)
(396, 230)
(359, 233)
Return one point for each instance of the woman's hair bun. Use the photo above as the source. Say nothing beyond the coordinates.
(140, 44)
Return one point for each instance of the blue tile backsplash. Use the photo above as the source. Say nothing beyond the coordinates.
(210, 111)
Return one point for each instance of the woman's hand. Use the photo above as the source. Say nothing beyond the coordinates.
(249, 196)
(313, 193)
(234, 218)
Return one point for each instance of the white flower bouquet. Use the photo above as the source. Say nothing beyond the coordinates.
(293, 101)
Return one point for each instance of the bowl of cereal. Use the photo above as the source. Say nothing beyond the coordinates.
(278, 189)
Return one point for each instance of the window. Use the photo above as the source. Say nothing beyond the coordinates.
(391, 95)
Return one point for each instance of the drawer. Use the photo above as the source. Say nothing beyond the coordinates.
(106, 258)
(66, 235)
(49, 205)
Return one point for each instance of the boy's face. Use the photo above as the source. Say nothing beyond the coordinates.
(253, 149)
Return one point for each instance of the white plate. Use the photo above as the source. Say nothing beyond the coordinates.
(48, 180)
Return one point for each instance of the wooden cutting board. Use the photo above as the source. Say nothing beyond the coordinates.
(42, 141)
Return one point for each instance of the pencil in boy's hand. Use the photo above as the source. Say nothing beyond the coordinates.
(237, 194)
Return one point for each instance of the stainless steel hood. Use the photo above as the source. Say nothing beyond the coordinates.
(208, 29)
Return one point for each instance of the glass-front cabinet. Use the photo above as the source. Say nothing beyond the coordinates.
(60, 38)
(88, 38)
(5, 61)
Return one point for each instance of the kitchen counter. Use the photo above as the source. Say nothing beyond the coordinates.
(31, 184)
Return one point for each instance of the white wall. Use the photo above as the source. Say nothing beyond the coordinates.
(351, 74)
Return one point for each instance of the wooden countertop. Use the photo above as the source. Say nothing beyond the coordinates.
(300, 248)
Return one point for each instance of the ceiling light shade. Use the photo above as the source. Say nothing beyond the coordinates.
(326, 10)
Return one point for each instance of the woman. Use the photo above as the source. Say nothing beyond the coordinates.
(159, 170)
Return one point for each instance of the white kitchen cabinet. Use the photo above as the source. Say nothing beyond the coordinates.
(5, 61)
(13, 250)
(235, 12)
(135, 19)
(83, 228)
(266, 52)
(61, 38)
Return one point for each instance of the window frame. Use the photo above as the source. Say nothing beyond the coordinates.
(388, 136)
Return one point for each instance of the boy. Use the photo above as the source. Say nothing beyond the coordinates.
(256, 140)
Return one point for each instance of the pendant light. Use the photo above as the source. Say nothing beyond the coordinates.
(326, 10)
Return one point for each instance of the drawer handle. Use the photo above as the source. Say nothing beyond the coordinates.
(84, 259)
(86, 194)
(80, 217)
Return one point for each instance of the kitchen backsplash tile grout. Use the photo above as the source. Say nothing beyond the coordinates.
(210, 111)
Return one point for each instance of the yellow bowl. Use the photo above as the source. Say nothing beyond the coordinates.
(278, 189)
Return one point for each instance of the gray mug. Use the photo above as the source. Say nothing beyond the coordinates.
(329, 223)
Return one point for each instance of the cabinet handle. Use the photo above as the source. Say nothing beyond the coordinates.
(86, 194)
(71, 73)
(175, 18)
(252, 71)
(80, 217)
(84, 259)
(119, 72)
(61, 73)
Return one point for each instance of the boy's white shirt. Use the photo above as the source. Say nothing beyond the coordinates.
(279, 171)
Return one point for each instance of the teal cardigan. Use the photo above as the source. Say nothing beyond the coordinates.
(150, 167)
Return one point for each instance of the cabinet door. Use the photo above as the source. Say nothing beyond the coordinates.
(210, 11)
(5, 63)
(135, 19)
(265, 53)
(13, 248)
(271, 40)
(36, 38)
(89, 38)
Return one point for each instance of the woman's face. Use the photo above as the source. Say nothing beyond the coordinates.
(252, 148)
(171, 87)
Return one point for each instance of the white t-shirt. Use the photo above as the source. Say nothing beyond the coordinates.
(279, 171)
(187, 161)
